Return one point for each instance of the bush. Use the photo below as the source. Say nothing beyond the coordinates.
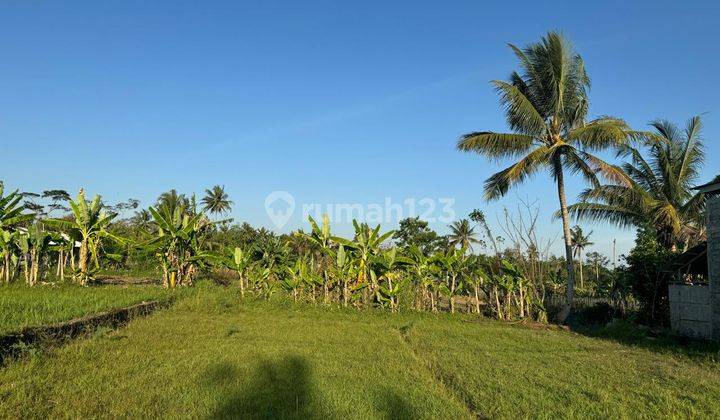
(647, 274)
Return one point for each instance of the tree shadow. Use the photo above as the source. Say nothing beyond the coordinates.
(657, 340)
(393, 406)
(278, 390)
(284, 390)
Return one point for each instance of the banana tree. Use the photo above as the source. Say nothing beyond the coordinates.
(9, 244)
(239, 261)
(386, 266)
(295, 278)
(89, 225)
(420, 268)
(365, 245)
(453, 265)
(11, 217)
(322, 238)
(178, 244)
(477, 277)
(39, 243)
(343, 270)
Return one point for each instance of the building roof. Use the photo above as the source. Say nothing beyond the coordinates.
(712, 187)
(692, 261)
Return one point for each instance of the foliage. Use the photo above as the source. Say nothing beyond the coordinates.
(216, 200)
(546, 106)
(88, 226)
(462, 235)
(657, 191)
(647, 276)
(414, 232)
(178, 243)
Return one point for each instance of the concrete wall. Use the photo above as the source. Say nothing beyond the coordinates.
(712, 213)
(690, 310)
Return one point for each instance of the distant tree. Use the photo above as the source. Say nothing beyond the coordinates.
(597, 261)
(462, 235)
(580, 241)
(415, 232)
(646, 274)
(56, 195)
(142, 219)
(216, 201)
(478, 217)
(171, 200)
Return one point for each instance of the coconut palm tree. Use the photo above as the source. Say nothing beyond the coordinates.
(170, 200)
(462, 234)
(216, 200)
(580, 241)
(546, 106)
(142, 219)
(659, 193)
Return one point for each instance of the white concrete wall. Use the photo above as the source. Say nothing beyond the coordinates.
(712, 213)
(691, 312)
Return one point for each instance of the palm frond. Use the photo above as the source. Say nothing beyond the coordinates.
(597, 212)
(498, 184)
(521, 114)
(495, 145)
(600, 134)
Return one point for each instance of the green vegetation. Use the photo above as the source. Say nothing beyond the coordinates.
(23, 306)
(506, 275)
(546, 106)
(214, 354)
(658, 192)
(383, 323)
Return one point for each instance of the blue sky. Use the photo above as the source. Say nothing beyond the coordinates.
(334, 102)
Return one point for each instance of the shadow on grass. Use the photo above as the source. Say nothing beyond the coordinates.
(278, 390)
(659, 340)
(393, 406)
(284, 389)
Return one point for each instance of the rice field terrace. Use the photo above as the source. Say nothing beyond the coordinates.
(214, 354)
(22, 306)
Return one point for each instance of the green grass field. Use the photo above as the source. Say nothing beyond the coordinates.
(22, 306)
(213, 355)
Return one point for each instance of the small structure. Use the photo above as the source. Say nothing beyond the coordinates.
(695, 308)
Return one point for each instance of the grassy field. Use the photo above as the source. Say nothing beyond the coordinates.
(22, 306)
(213, 355)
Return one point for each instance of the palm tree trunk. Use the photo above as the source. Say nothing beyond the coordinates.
(570, 287)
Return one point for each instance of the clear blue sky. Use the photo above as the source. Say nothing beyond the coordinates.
(330, 101)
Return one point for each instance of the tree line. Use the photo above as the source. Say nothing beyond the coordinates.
(546, 103)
